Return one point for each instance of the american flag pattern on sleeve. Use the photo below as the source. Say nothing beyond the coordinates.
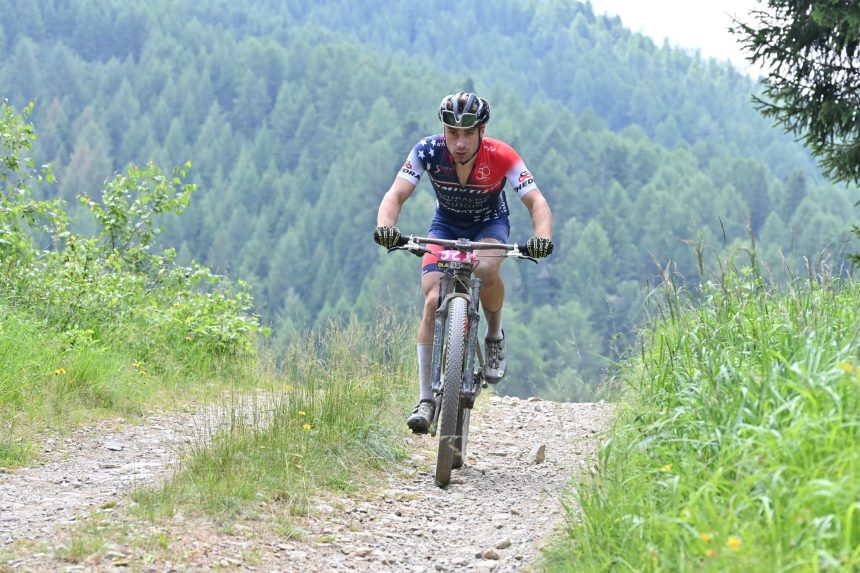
(482, 198)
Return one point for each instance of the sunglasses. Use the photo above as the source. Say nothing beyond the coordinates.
(467, 120)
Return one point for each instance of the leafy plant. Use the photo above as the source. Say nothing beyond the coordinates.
(82, 309)
(20, 214)
(129, 205)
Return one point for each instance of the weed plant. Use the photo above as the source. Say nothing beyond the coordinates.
(738, 446)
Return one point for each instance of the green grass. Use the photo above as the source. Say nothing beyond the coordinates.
(44, 382)
(54, 378)
(323, 418)
(738, 446)
(336, 411)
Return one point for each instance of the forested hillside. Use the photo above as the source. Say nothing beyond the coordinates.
(296, 117)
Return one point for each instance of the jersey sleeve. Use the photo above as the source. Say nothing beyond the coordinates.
(519, 176)
(412, 167)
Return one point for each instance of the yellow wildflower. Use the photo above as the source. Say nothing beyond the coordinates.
(302, 413)
(710, 552)
(848, 367)
(666, 468)
(706, 537)
(734, 543)
(306, 427)
(137, 364)
(59, 371)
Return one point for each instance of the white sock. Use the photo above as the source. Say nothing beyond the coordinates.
(494, 324)
(425, 361)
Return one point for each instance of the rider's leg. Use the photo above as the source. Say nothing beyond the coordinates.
(422, 416)
(492, 289)
(430, 287)
(492, 299)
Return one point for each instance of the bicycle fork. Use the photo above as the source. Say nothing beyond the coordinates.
(438, 330)
(471, 379)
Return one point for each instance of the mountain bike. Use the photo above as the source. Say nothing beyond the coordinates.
(456, 379)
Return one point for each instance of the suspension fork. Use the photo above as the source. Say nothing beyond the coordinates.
(438, 331)
(471, 384)
(446, 292)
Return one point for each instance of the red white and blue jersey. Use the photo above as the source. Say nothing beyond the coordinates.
(482, 198)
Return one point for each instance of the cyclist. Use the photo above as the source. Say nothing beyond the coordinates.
(468, 173)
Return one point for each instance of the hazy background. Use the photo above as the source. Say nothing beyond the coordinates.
(297, 116)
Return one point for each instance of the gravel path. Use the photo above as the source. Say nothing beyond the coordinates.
(89, 469)
(495, 515)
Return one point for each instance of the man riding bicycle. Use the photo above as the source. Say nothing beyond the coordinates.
(468, 173)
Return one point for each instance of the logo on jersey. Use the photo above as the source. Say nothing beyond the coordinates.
(483, 172)
(408, 170)
(525, 175)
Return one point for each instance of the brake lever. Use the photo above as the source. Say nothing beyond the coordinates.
(518, 254)
(413, 248)
(528, 258)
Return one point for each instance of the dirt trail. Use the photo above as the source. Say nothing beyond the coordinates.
(495, 515)
(86, 470)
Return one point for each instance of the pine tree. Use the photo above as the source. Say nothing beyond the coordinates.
(91, 161)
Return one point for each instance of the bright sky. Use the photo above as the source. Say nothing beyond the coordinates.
(692, 24)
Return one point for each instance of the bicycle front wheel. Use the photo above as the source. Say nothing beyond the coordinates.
(455, 362)
(462, 437)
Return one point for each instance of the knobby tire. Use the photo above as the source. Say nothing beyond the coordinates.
(455, 360)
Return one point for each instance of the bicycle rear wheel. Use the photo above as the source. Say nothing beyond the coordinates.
(455, 361)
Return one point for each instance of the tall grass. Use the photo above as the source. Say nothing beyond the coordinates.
(52, 377)
(333, 412)
(739, 445)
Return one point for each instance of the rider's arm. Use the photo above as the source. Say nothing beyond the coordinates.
(526, 189)
(540, 213)
(389, 208)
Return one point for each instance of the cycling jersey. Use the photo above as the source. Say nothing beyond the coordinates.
(482, 198)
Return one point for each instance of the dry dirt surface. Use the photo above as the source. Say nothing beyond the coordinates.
(499, 510)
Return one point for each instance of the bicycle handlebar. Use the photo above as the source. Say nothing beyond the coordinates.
(416, 245)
